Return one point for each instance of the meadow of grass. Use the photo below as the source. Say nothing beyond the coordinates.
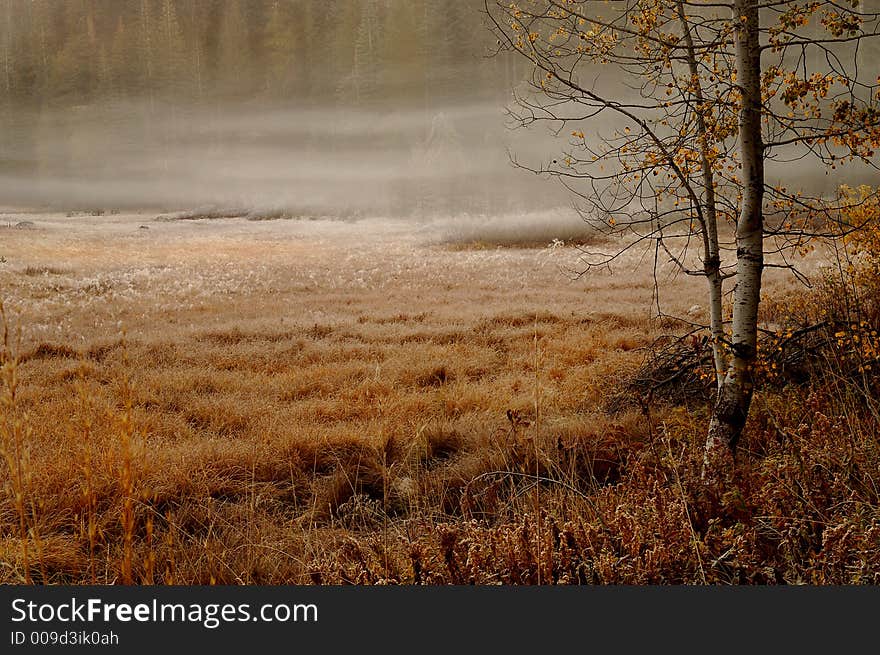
(241, 402)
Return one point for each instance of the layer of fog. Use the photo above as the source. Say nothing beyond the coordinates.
(267, 162)
(306, 162)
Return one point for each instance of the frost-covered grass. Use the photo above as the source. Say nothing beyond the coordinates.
(320, 401)
(528, 230)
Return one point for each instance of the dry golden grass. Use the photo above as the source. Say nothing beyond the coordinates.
(258, 402)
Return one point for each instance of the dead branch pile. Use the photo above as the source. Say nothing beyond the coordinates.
(674, 371)
(679, 370)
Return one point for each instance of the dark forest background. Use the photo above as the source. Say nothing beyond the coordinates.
(355, 52)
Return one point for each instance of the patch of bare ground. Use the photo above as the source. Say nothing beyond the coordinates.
(317, 402)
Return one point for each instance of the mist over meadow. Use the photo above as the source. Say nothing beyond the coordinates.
(303, 107)
(314, 108)
(479, 383)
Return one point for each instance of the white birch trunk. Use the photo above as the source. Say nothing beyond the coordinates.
(735, 391)
(709, 232)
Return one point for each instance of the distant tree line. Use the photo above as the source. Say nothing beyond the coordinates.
(357, 52)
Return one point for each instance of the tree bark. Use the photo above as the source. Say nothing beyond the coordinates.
(735, 391)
